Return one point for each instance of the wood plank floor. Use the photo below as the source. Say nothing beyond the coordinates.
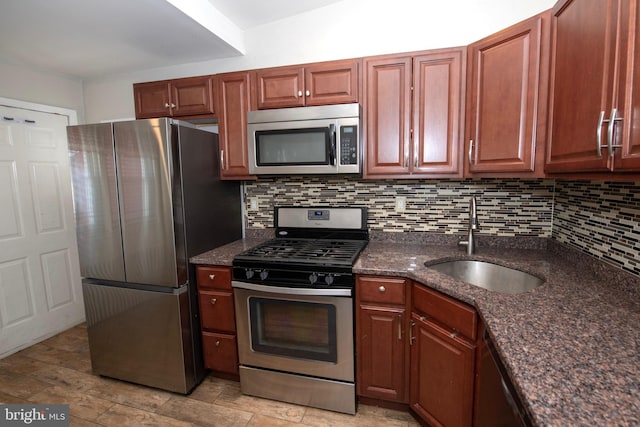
(58, 370)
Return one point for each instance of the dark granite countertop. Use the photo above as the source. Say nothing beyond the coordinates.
(571, 346)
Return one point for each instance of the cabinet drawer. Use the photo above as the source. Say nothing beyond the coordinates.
(213, 277)
(220, 352)
(216, 310)
(382, 290)
(447, 311)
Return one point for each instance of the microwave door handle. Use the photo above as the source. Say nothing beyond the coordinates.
(332, 142)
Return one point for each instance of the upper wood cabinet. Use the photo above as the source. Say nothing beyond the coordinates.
(233, 104)
(335, 82)
(192, 96)
(594, 103)
(507, 91)
(413, 114)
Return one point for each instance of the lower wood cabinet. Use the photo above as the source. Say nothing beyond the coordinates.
(220, 352)
(381, 344)
(416, 346)
(217, 319)
(442, 373)
(443, 346)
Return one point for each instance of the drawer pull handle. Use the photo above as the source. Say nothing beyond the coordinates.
(212, 276)
(213, 301)
(218, 343)
(411, 337)
(382, 289)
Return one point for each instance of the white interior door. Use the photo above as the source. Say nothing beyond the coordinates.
(40, 286)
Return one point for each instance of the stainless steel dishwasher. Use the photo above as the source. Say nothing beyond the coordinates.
(498, 404)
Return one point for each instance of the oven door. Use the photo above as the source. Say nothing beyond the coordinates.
(303, 331)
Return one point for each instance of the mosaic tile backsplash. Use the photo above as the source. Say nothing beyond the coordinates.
(601, 219)
(598, 218)
(505, 207)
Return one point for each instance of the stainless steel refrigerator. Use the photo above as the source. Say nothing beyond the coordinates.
(147, 197)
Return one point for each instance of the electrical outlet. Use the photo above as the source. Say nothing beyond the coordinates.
(401, 203)
(253, 203)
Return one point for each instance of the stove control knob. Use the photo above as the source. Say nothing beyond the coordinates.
(328, 279)
(313, 278)
(264, 274)
(249, 273)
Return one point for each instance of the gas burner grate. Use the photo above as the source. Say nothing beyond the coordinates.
(306, 250)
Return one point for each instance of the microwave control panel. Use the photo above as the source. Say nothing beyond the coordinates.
(349, 145)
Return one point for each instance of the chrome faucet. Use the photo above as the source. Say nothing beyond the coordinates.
(470, 243)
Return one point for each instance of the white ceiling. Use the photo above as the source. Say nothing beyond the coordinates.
(92, 38)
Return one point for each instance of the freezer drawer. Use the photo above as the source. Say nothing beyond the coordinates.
(141, 336)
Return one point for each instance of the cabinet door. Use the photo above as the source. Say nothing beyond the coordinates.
(220, 352)
(629, 158)
(280, 87)
(437, 104)
(387, 114)
(217, 311)
(233, 93)
(192, 96)
(381, 353)
(331, 83)
(507, 99)
(213, 277)
(442, 371)
(152, 99)
(583, 49)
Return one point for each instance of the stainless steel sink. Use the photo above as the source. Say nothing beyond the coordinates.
(489, 276)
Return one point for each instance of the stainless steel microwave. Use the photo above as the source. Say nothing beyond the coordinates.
(305, 140)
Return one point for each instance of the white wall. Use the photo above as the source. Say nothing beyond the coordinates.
(26, 84)
(350, 28)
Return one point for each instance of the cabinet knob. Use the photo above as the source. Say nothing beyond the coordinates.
(382, 289)
(212, 276)
(453, 335)
(218, 343)
(166, 105)
(213, 301)
(308, 93)
(299, 93)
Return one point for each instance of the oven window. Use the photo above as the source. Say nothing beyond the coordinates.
(293, 328)
(308, 146)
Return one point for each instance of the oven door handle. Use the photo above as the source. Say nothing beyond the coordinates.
(278, 290)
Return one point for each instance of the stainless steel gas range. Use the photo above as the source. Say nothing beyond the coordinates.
(294, 308)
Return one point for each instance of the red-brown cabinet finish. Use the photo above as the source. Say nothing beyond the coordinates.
(438, 94)
(594, 79)
(217, 318)
(442, 371)
(332, 83)
(324, 83)
(387, 113)
(381, 341)
(507, 101)
(233, 101)
(188, 97)
(220, 352)
(414, 115)
(443, 339)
